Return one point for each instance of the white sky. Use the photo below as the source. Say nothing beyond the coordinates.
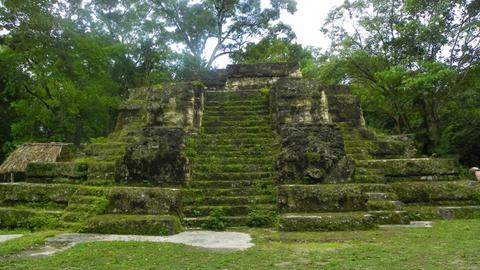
(306, 23)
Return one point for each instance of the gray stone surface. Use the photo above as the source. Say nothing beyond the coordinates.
(229, 241)
(6, 237)
(413, 224)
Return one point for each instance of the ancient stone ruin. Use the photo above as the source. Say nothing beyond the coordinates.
(252, 145)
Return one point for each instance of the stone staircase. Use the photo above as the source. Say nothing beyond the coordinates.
(232, 162)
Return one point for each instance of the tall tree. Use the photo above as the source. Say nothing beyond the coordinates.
(61, 77)
(405, 59)
(231, 24)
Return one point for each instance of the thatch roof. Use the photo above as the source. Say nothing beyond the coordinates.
(31, 152)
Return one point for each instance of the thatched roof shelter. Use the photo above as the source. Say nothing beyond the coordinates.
(32, 152)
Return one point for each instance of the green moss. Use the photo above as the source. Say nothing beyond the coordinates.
(411, 167)
(258, 217)
(215, 221)
(133, 224)
(327, 222)
(32, 219)
(415, 192)
(131, 200)
(314, 198)
(36, 193)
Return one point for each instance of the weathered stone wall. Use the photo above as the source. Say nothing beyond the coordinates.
(312, 147)
(298, 102)
(251, 77)
(346, 108)
(264, 70)
(176, 105)
(158, 157)
(312, 154)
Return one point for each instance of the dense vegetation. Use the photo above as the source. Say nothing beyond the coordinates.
(65, 65)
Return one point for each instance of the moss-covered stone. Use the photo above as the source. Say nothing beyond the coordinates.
(133, 224)
(327, 222)
(415, 192)
(318, 198)
(390, 217)
(410, 167)
(157, 159)
(131, 200)
(36, 193)
(12, 218)
(312, 154)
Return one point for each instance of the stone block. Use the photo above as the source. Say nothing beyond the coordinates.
(429, 192)
(327, 222)
(157, 159)
(410, 167)
(36, 193)
(133, 224)
(133, 200)
(321, 198)
(32, 219)
(264, 70)
(312, 154)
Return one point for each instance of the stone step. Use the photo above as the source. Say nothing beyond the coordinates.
(229, 210)
(443, 212)
(133, 224)
(232, 176)
(200, 222)
(230, 160)
(235, 117)
(346, 221)
(237, 135)
(231, 168)
(410, 167)
(261, 113)
(377, 178)
(431, 192)
(256, 102)
(28, 218)
(228, 200)
(226, 107)
(216, 184)
(376, 205)
(85, 199)
(233, 130)
(230, 123)
(263, 143)
(234, 153)
(267, 188)
(382, 196)
(321, 198)
(234, 96)
(390, 217)
(245, 147)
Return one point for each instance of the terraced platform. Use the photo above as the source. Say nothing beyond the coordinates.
(389, 186)
(295, 156)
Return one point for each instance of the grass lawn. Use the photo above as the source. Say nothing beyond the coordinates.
(449, 245)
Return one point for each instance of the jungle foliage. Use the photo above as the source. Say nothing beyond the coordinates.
(415, 65)
(66, 64)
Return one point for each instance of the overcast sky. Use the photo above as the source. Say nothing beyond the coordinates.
(306, 23)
